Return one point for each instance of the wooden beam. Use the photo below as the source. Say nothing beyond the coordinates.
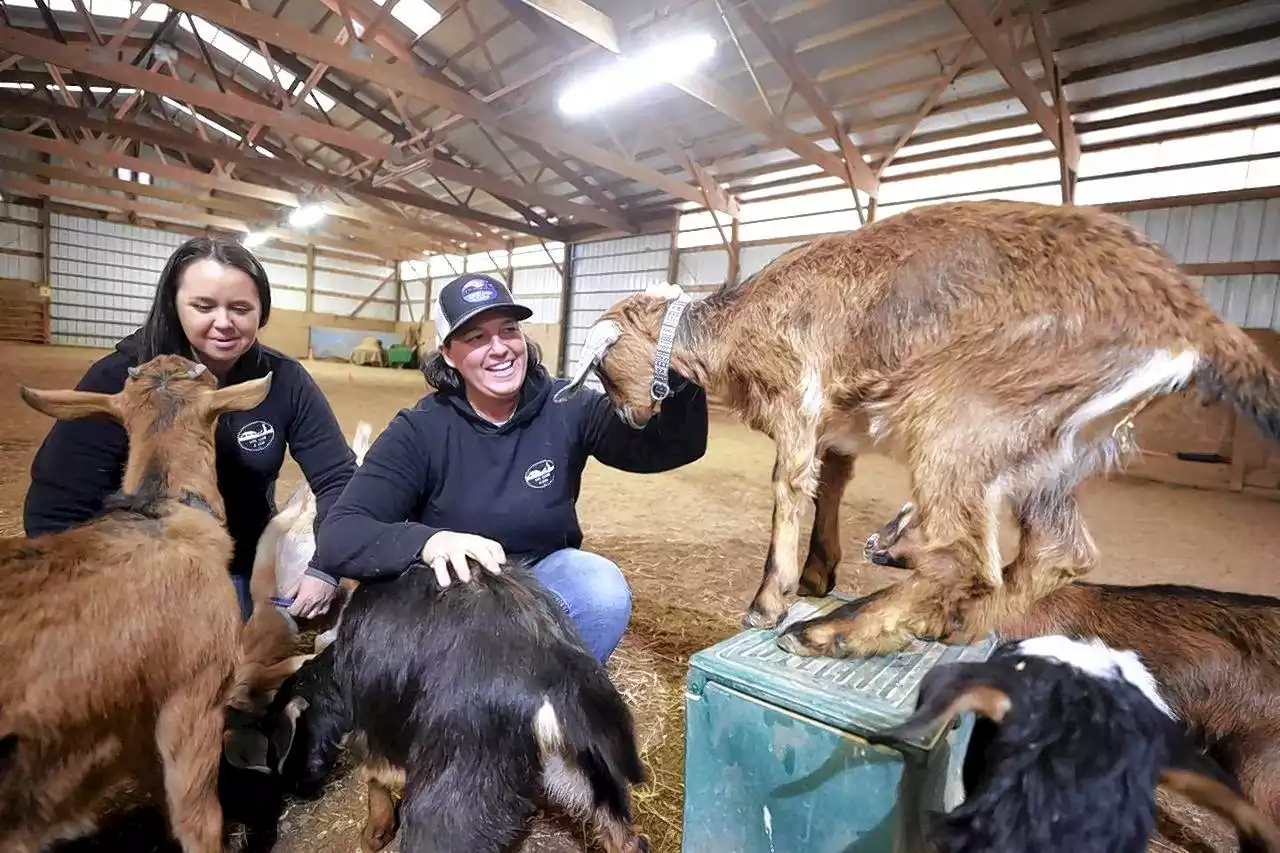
(976, 19)
(758, 119)
(1069, 149)
(79, 59)
(11, 104)
(196, 178)
(859, 173)
(409, 80)
(35, 189)
(583, 18)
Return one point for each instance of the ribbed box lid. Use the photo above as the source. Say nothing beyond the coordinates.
(861, 696)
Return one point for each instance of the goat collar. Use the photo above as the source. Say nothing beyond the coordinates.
(194, 501)
(661, 389)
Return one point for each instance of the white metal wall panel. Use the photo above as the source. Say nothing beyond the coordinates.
(605, 272)
(349, 282)
(19, 235)
(752, 259)
(707, 266)
(103, 276)
(539, 288)
(1222, 233)
(287, 272)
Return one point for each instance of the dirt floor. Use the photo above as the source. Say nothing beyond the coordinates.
(692, 543)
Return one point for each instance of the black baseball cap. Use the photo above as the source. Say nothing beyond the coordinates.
(471, 294)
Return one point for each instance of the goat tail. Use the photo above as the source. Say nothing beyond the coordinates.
(587, 721)
(1235, 368)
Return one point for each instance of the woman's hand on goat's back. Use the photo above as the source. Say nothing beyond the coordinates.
(451, 548)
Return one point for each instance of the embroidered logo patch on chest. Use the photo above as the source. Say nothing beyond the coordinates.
(256, 436)
(540, 474)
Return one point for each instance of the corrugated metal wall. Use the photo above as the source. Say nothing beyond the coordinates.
(287, 272)
(342, 284)
(1223, 233)
(606, 271)
(752, 259)
(103, 275)
(20, 240)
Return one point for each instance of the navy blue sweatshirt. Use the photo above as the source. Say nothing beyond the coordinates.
(440, 466)
(81, 462)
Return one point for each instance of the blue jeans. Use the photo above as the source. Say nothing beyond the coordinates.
(593, 592)
(242, 592)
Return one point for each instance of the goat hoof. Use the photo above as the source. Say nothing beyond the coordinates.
(869, 547)
(758, 619)
(819, 588)
(375, 840)
(884, 558)
(642, 844)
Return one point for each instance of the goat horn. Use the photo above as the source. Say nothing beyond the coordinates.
(134, 372)
(600, 337)
(196, 371)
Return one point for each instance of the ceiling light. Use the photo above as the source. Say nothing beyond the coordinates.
(626, 76)
(253, 238)
(306, 216)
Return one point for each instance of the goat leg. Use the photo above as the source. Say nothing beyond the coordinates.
(189, 738)
(381, 824)
(886, 547)
(793, 478)
(818, 576)
(959, 609)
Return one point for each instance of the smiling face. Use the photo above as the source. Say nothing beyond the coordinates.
(491, 354)
(220, 312)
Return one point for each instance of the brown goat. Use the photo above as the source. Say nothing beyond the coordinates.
(119, 637)
(999, 350)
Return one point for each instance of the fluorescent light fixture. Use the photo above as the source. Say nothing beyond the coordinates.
(306, 216)
(253, 238)
(626, 76)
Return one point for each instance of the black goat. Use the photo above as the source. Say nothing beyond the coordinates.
(1071, 742)
(469, 703)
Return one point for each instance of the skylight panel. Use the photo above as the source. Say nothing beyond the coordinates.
(417, 15)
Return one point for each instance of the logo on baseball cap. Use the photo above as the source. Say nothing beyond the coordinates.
(469, 295)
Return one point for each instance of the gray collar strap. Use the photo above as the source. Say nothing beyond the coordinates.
(660, 390)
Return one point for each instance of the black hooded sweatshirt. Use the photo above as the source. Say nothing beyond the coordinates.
(440, 466)
(81, 462)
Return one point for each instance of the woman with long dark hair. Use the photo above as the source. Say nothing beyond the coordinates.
(212, 300)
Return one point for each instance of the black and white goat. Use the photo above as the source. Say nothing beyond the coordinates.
(1071, 741)
(469, 704)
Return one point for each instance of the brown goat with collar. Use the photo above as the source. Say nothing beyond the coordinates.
(120, 636)
(998, 349)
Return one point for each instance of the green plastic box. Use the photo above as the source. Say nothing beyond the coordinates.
(775, 758)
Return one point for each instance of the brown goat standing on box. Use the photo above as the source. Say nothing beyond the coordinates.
(120, 637)
(1000, 350)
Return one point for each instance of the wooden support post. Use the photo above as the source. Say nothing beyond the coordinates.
(46, 243)
(311, 278)
(735, 251)
(566, 310)
(399, 290)
(673, 261)
(511, 269)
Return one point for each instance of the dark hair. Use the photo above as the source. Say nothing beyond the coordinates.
(442, 377)
(162, 332)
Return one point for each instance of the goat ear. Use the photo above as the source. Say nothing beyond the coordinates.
(286, 729)
(246, 749)
(70, 405)
(237, 398)
(945, 694)
(1203, 781)
(600, 337)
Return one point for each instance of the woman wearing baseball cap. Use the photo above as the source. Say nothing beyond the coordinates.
(489, 466)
